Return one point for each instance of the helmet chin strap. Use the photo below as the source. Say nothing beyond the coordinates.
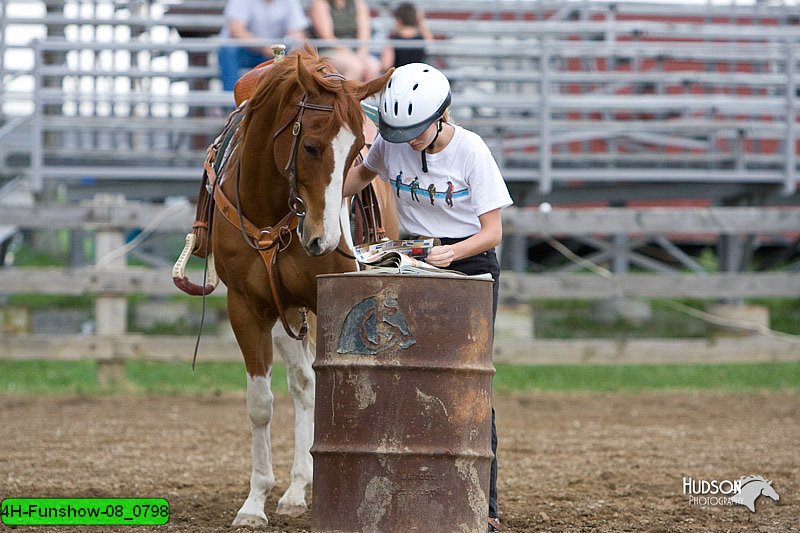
(438, 131)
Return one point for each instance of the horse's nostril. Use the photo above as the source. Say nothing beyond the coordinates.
(315, 246)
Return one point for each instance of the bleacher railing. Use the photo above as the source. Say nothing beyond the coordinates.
(563, 92)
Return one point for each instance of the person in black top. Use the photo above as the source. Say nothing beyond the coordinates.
(409, 26)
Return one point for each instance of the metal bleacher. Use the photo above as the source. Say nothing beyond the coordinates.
(578, 100)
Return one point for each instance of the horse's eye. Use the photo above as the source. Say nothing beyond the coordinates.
(311, 148)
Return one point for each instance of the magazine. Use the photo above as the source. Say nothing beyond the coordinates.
(370, 253)
(403, 257)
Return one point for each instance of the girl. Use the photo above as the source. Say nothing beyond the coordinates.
(418, 139)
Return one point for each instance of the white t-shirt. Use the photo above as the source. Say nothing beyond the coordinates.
(462, 183)
(266, 19)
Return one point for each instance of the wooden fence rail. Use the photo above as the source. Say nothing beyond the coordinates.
(114, 349)
(110, 217)
(518, 221)
(514, 286)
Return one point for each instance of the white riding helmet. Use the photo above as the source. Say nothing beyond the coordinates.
(415, 97)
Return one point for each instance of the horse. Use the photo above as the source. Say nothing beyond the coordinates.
(277, 225)
(751, 488)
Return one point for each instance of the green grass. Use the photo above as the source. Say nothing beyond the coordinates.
(79, 377)
(784, 313)
(730, 377)
(574, 319)
(38, 302)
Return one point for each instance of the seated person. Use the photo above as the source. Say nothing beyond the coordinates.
(409, 26)
(273, 20)
(345, 19)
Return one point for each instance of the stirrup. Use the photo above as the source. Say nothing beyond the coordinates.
(494, 524)
(179, 271)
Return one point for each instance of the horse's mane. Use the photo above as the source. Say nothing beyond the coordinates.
(282, 80)
(747, 479)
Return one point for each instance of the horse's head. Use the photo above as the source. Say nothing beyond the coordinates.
(320, 137)
(769, 491)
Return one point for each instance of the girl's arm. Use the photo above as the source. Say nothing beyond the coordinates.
(489, 236)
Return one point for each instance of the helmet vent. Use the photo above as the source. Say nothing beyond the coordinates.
(409, 109)
(426, 70)
(414, 88)
(395, 109)
(390, 84)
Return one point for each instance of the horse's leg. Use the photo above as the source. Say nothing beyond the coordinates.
(298, 358)
(255, 342)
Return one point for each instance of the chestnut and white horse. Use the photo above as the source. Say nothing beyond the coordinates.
(277, 225)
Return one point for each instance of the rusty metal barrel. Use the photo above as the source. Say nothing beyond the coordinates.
(402, 436)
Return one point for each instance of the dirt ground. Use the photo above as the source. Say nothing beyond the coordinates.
(568, 461)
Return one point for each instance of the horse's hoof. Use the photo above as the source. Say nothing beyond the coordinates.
(250, 520)
(292, 510)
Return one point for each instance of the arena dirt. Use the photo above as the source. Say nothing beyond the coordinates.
(568, 461)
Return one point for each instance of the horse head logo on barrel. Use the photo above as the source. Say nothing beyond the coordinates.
(277, 213)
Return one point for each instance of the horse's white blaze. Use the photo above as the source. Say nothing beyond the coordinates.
(340, 145)
(259, 410)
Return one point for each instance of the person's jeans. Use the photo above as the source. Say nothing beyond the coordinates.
(483, 263)
(232, 59)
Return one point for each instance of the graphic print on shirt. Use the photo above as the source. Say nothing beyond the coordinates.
(414, 186)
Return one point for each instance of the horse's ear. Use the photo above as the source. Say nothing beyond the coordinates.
(306, 79)
(368, 88)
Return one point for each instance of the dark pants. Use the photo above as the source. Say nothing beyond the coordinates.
(232, 59)
(483, 263)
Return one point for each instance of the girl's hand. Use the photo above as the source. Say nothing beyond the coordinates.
(441, 256)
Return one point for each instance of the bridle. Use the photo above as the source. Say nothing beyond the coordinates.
(296, 203)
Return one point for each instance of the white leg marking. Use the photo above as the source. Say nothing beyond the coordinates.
(298, 358)
(262, 479)
(340, 145)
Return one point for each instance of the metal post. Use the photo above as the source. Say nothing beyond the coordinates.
(3, 22)
(53, 139)
(545, 149)
(620, 244)
(620, 263)
(37, 124)
(517, 244)
(612, 143)
(739, 151)
(790, 168)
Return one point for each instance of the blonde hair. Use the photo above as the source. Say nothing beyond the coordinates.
(447, 117)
